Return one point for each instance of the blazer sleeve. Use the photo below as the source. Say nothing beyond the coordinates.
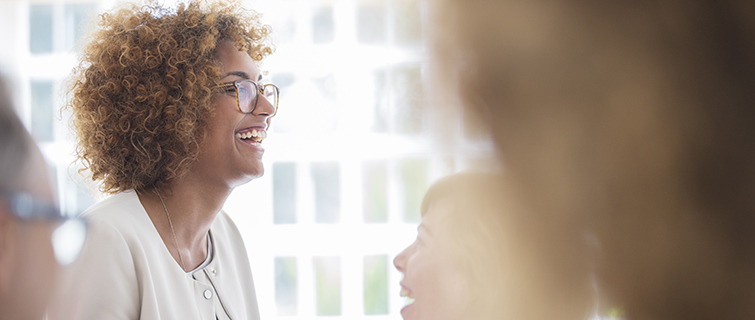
(102, 283)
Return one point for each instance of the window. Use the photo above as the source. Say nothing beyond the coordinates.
(284, 192)
(42, 128)
(323, 26)
(285, 286)
(40, 28)
(328, 277)
(414, 178)
(376, 285)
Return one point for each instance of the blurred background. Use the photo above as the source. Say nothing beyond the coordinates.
(359, 136)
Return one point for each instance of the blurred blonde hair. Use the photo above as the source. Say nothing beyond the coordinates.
(631, 123)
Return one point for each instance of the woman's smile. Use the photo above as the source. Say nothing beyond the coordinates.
(252, 136)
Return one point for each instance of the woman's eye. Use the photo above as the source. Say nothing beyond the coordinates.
(243, 92)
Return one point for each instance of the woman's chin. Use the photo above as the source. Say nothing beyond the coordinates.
(411, 312)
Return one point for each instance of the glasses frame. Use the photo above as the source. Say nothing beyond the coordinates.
(260, 91)
(28, 208)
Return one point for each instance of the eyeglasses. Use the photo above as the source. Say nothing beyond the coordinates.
(67, 238)
(248, 92)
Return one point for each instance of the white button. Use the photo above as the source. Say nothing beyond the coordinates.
(213, 271)
(207, 294)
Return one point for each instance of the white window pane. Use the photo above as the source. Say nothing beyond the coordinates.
(286, 300)
(284, 192)
(414, 176)
(42, 111)
(323, 29)
(328, 283)
(40, 28)
(376, 285)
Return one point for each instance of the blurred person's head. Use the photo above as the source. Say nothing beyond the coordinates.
(28, 219)
(628, 122)
(454, 269)
(144, 99)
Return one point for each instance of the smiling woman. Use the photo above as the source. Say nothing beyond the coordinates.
(455, 268)
(170, 114)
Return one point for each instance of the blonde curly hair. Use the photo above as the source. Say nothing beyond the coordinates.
(141, 95)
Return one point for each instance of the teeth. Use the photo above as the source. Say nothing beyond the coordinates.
(407, 297)
(258, 135)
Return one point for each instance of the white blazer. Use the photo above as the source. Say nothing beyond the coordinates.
(126, 272)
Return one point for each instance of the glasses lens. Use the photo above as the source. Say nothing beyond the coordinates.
(26, 206)
(68, 239)
(271, 94)
(247, 92)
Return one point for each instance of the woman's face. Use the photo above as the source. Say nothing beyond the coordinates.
(227, 156)
(431, 278)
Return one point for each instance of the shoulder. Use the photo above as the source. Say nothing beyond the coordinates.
(227, 237)
(223, 224)
(111, 222)
(117, 203)
(118, 228)
(121, 213)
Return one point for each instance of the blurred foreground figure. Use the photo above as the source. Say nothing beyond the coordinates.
(627, 131)
(32, 232)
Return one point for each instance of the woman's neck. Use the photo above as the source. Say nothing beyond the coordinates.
(190, 207)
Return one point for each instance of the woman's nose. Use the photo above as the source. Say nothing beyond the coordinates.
(264, 107)
(400, 261)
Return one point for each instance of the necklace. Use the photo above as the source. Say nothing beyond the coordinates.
(178, 249)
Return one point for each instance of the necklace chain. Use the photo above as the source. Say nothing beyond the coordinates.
(178, 249)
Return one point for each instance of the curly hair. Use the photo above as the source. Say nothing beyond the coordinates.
(141, 94)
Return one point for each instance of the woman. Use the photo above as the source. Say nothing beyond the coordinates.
(455, 269)
(170, 113)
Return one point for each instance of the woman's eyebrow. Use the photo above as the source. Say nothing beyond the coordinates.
(241, 74)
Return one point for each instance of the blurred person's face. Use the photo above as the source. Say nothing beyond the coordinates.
(28, 269)
(431, 279)
(232, 152)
